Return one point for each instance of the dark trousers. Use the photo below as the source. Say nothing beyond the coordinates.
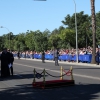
(19, 57)
(5, 71)
(43, 60)
(56, 61)
(98, 61)
(11, 69)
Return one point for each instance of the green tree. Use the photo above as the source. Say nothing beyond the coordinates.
(54, 41)
(29, 40)
(82, 22)
(98, 28)
(68, 37)
(40, 41)
(21, 41)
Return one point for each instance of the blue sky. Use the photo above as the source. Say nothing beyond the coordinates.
(22, 15)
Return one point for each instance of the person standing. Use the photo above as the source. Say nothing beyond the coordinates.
(18, 55)
(56, 55)
(5, 61)
(11, 61)
(43, 57)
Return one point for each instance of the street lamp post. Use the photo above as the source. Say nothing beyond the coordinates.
(9, 34)
(76, 33)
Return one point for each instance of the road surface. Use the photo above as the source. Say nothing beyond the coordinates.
(19, 86)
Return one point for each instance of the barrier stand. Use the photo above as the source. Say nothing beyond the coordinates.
(61, 71)
(34, 76)
(71, 70)
(53, 83)
(67, 73)
(44, 77)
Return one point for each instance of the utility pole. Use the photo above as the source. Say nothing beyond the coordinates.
(93, 30)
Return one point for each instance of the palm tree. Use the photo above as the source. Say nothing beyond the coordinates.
(93, 29)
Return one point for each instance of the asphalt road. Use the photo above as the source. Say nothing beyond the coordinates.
(19, 86)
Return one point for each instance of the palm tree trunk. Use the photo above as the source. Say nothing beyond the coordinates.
(93, 30)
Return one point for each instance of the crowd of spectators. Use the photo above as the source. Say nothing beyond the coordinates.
(70, 52)
(81, 51)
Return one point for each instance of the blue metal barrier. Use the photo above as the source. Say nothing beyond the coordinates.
(39, 56)
(50, 57)
(63, 57)
(80, 58)
(87, 58)
(36, 56)
(66, 57)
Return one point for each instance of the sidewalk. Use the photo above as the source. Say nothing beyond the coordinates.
(63, 62)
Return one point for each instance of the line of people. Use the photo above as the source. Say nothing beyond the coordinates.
(55, 53)
(56, 56)
(7, 60)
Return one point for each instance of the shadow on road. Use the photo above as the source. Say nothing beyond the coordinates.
(21, 76)
(27, 92)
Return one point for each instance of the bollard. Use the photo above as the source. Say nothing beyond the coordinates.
(61, 71)
(34, 76)
(71, 70)
(44, 76)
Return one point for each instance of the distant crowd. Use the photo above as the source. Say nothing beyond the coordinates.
(81, 51)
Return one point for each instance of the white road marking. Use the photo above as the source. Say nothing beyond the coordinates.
(84, 76)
